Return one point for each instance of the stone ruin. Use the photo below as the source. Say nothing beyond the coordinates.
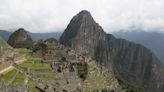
(64, 62)
(7, 58)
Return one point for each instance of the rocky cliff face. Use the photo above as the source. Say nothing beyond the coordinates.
(20, 39)
(80, 34)
(130, 63)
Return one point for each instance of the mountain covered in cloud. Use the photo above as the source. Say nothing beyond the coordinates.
(151, 40)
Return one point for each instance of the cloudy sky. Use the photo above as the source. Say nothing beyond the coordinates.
(54, 15)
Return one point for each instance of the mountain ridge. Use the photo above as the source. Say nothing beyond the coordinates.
(127, 60)
(151, 40)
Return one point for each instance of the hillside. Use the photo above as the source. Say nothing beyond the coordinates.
(3, 43)
(130, 63)
(60, 69)
(151, 40)
(6, 55)
(20, 39)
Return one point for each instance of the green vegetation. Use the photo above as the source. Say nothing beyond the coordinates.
(37, 70)
(8, 76)
(130, 88)
(83, 71)
(19, 79)
(40, 47)
(40, 66)
(96, 80)
(35, 90)
(23, 51)
(20, 39)
(26, 64)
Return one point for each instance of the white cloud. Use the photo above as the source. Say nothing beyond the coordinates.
(54, 15)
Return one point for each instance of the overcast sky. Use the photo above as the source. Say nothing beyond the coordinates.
(54, 15)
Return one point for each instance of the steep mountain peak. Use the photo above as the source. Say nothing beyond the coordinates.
(83, 16)
(82, 30)
(21, 29)
(84, 12)
(131, 63)
(20, 39)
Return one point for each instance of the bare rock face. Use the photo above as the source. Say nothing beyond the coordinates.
(131, 63)
(20, 39)
(80, 33)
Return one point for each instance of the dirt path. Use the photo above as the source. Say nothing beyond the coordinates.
(11, 67)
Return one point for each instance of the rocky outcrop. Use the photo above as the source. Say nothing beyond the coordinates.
(130, 63)
(20, 39)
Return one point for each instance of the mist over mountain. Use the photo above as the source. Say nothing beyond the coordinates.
(151, 40)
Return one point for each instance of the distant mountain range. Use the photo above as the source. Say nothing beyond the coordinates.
(35, 36)
(151, 40)
(5, 34)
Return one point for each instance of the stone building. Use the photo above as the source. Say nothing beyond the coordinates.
(49, 57)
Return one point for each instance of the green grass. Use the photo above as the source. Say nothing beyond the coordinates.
(96, 80)
(31, 81)
(19, 80)
(40, 66)
(34, 90)
(8, 76)
(23, 50)
(26, 64)
(33, 61)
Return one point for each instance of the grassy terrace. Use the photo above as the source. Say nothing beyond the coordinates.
(8, 76)
(23, 51)
(26, 64)
(33, 63)
(40, 66)
(97, 79)
(19, 79)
